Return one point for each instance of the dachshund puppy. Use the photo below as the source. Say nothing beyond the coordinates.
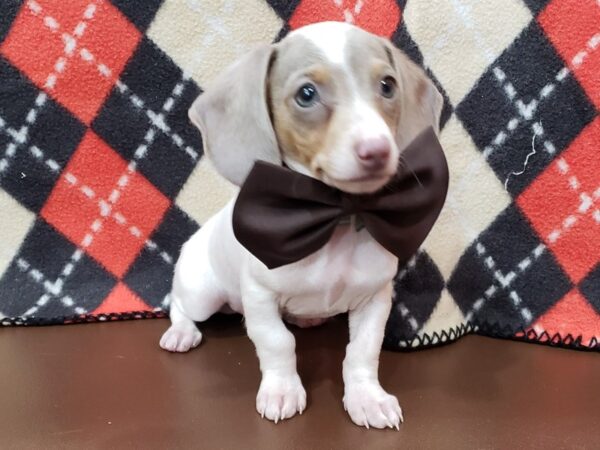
(338, 104)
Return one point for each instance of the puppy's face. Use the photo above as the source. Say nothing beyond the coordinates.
(330, 99)
(335, 97)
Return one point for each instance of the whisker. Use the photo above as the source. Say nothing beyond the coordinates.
(402, 160)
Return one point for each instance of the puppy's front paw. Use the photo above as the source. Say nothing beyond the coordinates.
(280, 397)
(370, 406)
(180, 339)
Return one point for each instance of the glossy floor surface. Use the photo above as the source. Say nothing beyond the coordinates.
(110, 386)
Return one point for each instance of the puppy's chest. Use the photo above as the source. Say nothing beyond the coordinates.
(349, 270)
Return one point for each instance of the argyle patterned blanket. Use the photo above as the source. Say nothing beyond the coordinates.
(102, 177)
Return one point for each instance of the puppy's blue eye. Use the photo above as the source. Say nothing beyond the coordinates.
(307, 95)
(387, 87)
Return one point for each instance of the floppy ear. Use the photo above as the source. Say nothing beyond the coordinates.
(233, 117)
(421, 101)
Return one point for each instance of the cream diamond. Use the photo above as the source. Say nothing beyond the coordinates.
(205, 192)
(205, 36)
(15, 222)
(475, 198)
(463, 37)
(445, 316)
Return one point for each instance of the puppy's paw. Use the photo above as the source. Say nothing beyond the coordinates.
(370, 406)
(280, 397)
(180, 339)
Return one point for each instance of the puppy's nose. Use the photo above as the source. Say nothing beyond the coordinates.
(373, 153)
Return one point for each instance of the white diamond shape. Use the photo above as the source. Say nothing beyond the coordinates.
(460, 38)
(475, 198)
(204, 37)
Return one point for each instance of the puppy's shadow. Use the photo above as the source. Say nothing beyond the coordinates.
(320, 351)
(221, 326)
(227, 362)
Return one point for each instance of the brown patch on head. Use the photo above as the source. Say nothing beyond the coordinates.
(299, 141)
(320, 75)
(388, 108)
(301, 132)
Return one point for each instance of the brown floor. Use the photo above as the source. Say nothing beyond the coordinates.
(110, 386)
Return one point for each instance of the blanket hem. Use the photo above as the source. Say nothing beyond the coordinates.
(493, 330)
(419, 342)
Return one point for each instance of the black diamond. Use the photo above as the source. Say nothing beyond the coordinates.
(502, 249)
(151, 275)
(590, 287)
(17, 95)
(530, 65)
(417, 291)
(31, 172)
(42, 257)
(172, 154)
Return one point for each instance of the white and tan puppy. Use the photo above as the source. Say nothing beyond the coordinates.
(339, 104)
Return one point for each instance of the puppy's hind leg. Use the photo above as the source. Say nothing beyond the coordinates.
(194, 298)
(183, 334)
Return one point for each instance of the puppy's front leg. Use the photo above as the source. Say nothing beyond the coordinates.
(281, 394)
(364, 398)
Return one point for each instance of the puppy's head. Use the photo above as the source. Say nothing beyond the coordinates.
(331, 100)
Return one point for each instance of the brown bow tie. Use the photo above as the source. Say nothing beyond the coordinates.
(282, 216)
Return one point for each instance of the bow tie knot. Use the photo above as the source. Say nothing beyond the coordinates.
(350, 205)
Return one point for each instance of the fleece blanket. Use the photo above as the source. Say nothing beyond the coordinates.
(102, 177)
